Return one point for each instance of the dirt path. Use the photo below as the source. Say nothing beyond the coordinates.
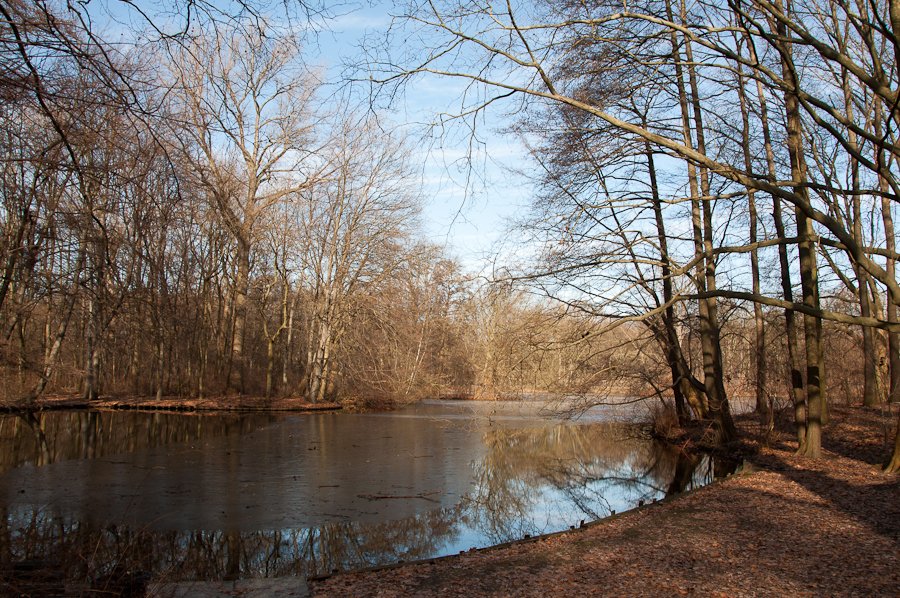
(798, 527)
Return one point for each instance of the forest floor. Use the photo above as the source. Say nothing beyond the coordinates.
(789, 526)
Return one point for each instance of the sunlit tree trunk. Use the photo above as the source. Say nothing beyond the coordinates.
(797, 390)
(271, 338)
(91, 351)
(870, 369)
(326, 373)
(241, 288)
(319, 355)
(714, 374)
(288, 346)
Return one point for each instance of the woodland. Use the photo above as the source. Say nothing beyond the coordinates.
(193, 210)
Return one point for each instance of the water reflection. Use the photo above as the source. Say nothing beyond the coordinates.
(496, 485)
(83, 553)
(564, 474)
(50, 437)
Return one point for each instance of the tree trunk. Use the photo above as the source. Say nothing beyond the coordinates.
(241, 288)
(798, 396)
(326, 374)
(53, 350)
(759, 345)
(890, 265)
(270, 368)
(318, 364)
(12, 256)
(23, 356)
(160, 354)
(204, 358)
(287, 352)
(808, 284)
(870, 371)
(713, 370)
(92, 353)
(893, 464)
(870, 366)
(700, 406)
(893, 337)
(812, 447)
(672, 347)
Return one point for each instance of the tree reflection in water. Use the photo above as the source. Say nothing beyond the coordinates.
(574, 473)
(89, 554)
(530, 481)
(50, 437)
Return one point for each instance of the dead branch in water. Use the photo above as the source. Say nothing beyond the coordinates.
(376, 496)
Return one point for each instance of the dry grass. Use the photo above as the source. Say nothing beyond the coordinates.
(664, 422)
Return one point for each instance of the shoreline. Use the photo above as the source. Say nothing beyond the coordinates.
(239, 404)
(256, 404)
(790, 526)
(528, 539)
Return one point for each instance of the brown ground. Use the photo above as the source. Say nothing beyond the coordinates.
(796, 527)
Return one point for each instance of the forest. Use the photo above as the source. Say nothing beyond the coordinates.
(199, 212)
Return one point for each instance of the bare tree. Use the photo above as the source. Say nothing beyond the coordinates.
(352, 223)
(244, 115)
(524, 52)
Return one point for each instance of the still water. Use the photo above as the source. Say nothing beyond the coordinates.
(243, 496)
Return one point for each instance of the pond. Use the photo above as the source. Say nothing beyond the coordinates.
(207, 497)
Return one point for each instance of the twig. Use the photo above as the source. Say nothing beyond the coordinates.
(375, 496)
(417, 456)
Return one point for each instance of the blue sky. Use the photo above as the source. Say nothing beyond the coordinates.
(466, 211)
